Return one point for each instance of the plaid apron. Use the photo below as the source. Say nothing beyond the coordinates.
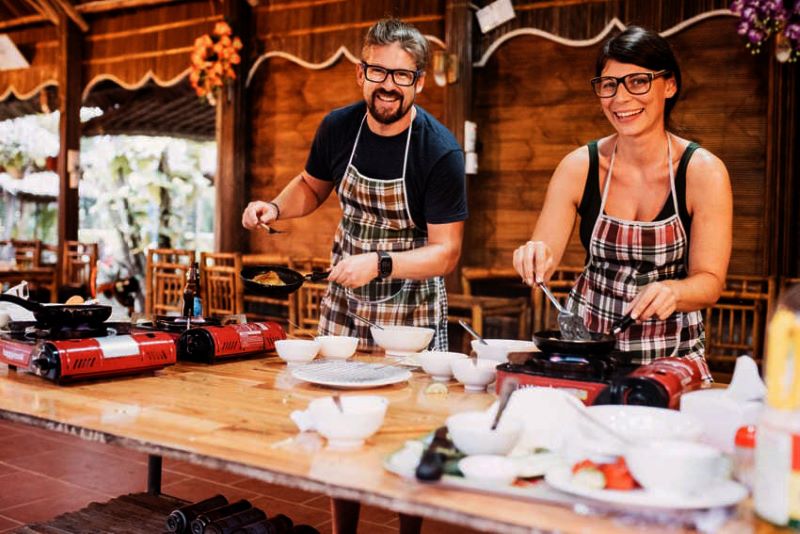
(625, 256)
(375, 216)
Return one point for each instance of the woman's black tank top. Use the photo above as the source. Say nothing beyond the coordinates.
(589, 208)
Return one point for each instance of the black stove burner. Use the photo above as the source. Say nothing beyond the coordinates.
(570, 366)
(31, 330)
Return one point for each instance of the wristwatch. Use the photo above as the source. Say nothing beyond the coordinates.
(384, 265)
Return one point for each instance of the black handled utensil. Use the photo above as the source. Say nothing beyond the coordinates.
(509, 387)
(622, 324)
(431, 465)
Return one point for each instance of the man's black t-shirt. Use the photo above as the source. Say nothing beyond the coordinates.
(435, 181)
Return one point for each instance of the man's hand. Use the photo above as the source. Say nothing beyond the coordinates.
(258, 213)
(355, 271)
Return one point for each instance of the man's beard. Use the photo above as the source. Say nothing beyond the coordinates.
(388, 117)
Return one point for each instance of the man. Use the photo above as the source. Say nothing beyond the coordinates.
(399, 176)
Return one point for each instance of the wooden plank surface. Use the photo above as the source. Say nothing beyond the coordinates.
(235, 416)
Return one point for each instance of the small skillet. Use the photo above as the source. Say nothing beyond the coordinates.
(66, 315)
(292, 280)
(550, 341)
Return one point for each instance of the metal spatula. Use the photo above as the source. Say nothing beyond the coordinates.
(571, 325)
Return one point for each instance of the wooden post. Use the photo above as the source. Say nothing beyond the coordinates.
(458, 95)
(69, 130)
(229, 235)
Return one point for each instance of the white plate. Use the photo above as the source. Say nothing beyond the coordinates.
(351, 375)
(726, 493)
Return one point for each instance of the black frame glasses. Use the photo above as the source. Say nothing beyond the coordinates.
(630, 82)
(377, 74)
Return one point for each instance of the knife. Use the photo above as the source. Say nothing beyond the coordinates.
(431, 465)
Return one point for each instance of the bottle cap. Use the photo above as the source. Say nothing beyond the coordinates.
(745, 437)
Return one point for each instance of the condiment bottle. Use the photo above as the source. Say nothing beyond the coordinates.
(777, 467)
(744, 455)
(191, 290)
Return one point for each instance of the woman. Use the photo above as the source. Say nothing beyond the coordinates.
(656, 211)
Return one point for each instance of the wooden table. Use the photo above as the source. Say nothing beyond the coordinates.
(235, 416)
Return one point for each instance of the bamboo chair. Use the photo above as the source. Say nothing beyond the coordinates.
(501, 310)
(78, 274)
(305, 304)
(165, 278)
(735, 324)
(220, 285)
(262, 308)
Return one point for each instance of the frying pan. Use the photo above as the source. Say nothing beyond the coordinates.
(291, 278)
(59, 315)
(550, 341)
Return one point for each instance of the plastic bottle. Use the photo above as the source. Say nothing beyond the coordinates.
(191, 290)
(744, 455)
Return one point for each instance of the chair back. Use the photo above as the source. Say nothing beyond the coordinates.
(165, 278)
(220, 285)
(305, 304)
(79, 267)
(26, 253)
(735, 324)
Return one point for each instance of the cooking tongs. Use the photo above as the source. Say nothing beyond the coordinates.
(571, 325)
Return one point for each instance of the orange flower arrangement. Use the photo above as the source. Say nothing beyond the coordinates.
(213, 58)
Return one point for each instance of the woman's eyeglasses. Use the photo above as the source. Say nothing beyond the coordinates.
(401, 77)
(636, 83)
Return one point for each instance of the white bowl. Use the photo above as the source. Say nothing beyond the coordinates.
(438, 364)
(297, 351)
(337, 347)
(361, 416)
(676, 467)
(498, 349)
(489, 469)
(642, 423)
(472, 434)
(474, 374)
(402, 340)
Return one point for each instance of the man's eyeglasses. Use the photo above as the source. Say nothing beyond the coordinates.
(636, 83)
(401, 77)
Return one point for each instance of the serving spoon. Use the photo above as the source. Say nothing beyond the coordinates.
(472, 331)
(365, 320)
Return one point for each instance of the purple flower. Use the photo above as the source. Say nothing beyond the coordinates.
(792, 31)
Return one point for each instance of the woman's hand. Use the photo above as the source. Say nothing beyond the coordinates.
(259, 213)
(533, 261)
(659, 299)
(355, 271)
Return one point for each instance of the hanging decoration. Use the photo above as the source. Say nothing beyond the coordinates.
(213, 60)
(761, 19)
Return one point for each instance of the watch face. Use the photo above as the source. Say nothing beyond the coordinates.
(386, 266)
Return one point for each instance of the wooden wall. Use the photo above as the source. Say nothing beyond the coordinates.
(533, 105)
(39, 45)
(287, 103)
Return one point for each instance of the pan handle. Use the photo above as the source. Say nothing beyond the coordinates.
(27, 304)
(622, 325)
(317, 277)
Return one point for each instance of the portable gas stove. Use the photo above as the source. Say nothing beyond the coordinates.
(605, 379)
(66, 354)
(213, 344)
(588, 378)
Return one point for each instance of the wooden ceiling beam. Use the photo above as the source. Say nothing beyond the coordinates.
(45, 9)
(99, 6)
(76, 17)
(22, 21)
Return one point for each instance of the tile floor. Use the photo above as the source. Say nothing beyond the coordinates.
(43, 474)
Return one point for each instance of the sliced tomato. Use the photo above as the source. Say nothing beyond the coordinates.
(617, 476)
(584, 464)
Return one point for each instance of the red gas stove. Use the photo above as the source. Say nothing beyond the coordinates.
(213, 344)
(605, 379)
(64, 355)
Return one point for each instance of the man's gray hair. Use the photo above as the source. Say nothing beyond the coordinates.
(392, 30)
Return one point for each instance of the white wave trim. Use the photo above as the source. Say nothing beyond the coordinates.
(613, 23)
(342, 51)
(149, 75)
(25, 96)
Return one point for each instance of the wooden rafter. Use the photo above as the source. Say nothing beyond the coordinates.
(45, 9)
(72, 13)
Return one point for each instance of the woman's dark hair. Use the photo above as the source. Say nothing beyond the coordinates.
(639, 46)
